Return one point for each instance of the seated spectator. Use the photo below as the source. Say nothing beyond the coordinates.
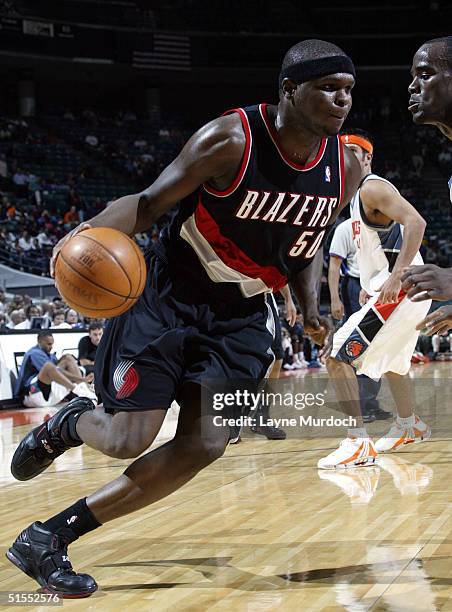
(73, 318)
(44, 380)
(15, 318)
(25, 241)
(58, 320)
(87, 347)
(45, 239)
(2, 300)
(32, 311)
(71, 216)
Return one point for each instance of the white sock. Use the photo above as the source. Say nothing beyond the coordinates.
(357, 432)
(406, 421)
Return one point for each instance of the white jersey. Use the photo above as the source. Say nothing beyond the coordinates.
(343, 246)
(377, 246)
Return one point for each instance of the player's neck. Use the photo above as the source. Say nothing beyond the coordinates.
(299, 143)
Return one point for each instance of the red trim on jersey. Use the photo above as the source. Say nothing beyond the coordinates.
(245, 158)
(231, 255)
(276, 140)
(385, 310)
(341, 168)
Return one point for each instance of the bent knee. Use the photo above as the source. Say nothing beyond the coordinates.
(126, 448)
(201, 452)
(48, 368)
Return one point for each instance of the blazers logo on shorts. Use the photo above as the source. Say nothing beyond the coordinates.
(353, 348)
(125, 379)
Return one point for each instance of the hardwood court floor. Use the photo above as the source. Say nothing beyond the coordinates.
(261, 529)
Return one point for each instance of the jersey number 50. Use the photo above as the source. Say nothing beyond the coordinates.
(307, 244)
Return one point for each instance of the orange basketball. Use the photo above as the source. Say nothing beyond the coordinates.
(100, 272)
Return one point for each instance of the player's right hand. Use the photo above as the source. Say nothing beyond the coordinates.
(437, 322)
(337, 309)
(364, 297)
(59, 245)
(319, 329)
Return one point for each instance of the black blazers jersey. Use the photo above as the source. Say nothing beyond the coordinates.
(270, 222)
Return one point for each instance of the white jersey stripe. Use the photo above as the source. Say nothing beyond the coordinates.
(217, 270)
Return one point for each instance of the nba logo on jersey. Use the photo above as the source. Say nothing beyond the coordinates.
(327, 174)
(450, 189)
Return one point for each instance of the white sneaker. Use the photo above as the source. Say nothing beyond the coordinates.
(288, 366)
(83, 390)
(358, 485)
(352, 452)
(296, 365)
(398, 436)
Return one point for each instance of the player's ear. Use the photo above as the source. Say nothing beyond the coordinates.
(288, 88)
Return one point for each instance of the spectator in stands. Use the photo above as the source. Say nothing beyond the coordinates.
(71, 217)
(58, 320)
(15, 318)
(2, 301)
(3, 322)
(32, 311)
(44, 380)
(87, 347)
(25, 241)
(73, 318)
(45, 239)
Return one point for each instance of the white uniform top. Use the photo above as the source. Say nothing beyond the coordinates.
(377, 246)
(343, 246)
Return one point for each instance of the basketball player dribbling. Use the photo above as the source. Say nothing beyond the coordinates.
(258, 188)
(381, 337)
(431, 104)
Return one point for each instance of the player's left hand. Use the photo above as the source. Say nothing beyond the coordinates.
(437, 322)
(319, 329)
(390, 290)
(428, 282)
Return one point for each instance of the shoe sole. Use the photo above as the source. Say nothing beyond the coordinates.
(370, 461)
(424, 438)
(17, 560)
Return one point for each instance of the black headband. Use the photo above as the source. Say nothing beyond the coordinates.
(317, 68)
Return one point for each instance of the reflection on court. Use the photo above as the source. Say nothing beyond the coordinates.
(261, 529)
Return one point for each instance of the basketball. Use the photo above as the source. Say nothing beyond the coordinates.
(100, 272)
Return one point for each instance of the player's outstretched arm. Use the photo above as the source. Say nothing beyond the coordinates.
(213, 154)
(379, 196)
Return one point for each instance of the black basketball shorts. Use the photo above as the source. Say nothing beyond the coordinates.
(177, 333)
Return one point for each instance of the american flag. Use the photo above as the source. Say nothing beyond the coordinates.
(168, 52)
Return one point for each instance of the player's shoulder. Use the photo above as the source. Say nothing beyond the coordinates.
(376, 186)
(225, 132)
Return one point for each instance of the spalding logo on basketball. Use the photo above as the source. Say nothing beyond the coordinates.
(100, 272)
(353, 348)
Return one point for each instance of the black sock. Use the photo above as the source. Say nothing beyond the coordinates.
(73, 522)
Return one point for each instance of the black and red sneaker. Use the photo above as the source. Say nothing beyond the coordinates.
(43, 555)
(43, 444)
